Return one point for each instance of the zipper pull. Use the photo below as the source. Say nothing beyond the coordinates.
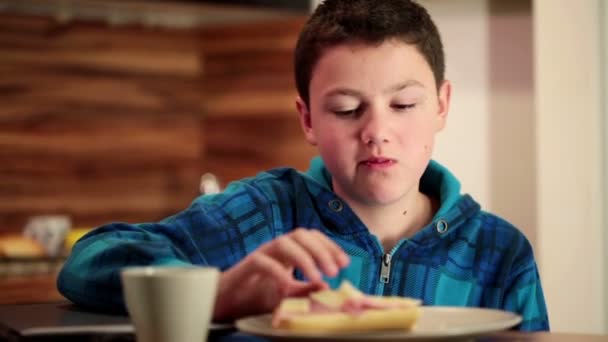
(385, 272)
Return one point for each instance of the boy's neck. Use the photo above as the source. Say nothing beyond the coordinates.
(392, 223)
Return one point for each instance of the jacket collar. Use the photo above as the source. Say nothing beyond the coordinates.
(436, 181)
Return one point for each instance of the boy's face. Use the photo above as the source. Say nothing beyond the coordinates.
(374, 111)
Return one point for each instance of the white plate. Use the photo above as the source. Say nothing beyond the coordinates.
(435, 323)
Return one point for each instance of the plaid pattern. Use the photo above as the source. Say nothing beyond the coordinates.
(478, 260)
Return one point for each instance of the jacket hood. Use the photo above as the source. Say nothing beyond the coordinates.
(436, 181)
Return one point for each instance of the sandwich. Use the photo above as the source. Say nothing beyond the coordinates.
(18, 246)
(345, 309)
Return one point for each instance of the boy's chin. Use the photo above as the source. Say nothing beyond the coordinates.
(382, 198)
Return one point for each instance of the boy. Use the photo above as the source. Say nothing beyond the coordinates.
(373, 209)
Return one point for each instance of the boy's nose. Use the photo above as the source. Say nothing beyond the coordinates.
(375, 140)
(374, 131)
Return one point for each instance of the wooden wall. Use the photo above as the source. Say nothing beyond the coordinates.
(249, 99)
(111, 123)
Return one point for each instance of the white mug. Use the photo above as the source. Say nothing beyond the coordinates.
(169, 304)
(50, 231)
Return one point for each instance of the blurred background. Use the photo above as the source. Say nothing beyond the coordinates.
(113, 110)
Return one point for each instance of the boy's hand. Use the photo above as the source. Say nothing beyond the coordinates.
(258, 282)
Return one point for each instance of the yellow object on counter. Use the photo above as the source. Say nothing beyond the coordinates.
(74, 235)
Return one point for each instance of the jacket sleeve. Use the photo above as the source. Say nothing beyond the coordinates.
(216, 230)
(524, 293)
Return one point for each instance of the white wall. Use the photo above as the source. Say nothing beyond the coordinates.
(463, 146)
(604, 91)
(569, 130)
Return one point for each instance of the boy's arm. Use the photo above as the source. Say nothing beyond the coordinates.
(524, 293)
(216, 230)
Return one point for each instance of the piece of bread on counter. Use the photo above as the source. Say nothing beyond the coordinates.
(19, 246)
(345, 310)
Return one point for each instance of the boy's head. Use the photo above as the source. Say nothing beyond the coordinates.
(372, 96)
(337, 22)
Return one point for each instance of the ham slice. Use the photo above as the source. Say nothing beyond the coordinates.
(345, 310)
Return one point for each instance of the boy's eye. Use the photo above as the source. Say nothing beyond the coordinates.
(348, 112)
(404, 107)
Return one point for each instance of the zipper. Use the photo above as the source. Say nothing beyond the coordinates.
(385, 265)
(385, 272)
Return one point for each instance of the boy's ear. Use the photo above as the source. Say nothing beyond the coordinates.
(443, 97)
(305, 121)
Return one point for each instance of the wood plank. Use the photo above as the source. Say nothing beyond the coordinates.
(251, 103)
(50, 32)
(260, 81)
(11, 24)
(249, 99)
(139, 61)
(243, 62)
(99, 123)
(242, 146)
(278, 32)
(173, 139)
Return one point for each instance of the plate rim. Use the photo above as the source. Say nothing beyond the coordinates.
(511, 319)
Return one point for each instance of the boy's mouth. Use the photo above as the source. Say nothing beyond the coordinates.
(378, 162)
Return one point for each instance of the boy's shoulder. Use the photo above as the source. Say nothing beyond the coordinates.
(313, 178)
(475, 218)
(281, 180)
(466, 220)
(492, 221)
(285, 176)
(495, 232)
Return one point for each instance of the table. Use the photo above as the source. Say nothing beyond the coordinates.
(45, 321)
(239, 337)
(510, 336)
(515, 336)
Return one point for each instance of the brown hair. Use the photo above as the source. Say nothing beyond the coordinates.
(337, 22)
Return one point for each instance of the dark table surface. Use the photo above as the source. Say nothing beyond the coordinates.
(240, 337)
(65, 322)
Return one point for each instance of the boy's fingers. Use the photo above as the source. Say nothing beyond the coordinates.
(268, 266)
(337, 252)
(292, 253)
(324, 254)
(300, 288)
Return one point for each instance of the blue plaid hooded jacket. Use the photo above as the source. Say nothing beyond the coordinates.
(464, 257)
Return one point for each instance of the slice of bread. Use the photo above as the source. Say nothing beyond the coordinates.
(18, 246)
(368, 320)
(345, 310)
